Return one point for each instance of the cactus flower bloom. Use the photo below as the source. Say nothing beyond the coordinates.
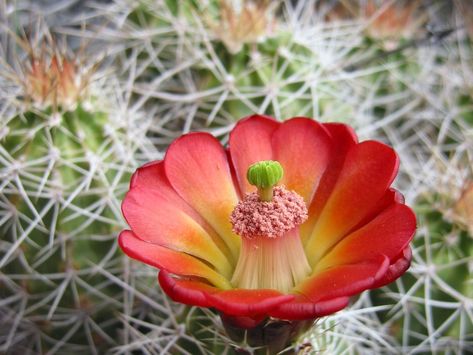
(331, 227)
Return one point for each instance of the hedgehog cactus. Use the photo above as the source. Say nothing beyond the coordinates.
(63, 166)
(201, 65)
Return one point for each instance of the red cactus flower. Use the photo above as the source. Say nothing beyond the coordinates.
(332, 229)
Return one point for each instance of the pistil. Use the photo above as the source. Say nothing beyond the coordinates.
(264, 175)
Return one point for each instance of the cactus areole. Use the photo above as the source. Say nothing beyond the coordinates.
(278, 229)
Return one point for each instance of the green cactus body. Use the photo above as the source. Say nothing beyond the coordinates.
(280, 75)
(65, 223)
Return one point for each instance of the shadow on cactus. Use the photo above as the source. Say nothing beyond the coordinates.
(62, 171)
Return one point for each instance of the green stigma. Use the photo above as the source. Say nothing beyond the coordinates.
(265, 175)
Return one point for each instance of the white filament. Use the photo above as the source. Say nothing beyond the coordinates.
(271, 263)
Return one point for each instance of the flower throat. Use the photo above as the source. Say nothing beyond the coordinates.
(272, 256)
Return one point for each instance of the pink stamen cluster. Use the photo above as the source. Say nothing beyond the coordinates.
(253, 217)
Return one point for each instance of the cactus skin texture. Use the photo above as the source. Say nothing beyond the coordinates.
(201, 83)
(433, 298)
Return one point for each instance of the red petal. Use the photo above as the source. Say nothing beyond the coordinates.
(197, 167)
(398, 197)
(343, 134)
(369, 169)
(389, 233)
(303, 148)
(390, 197)
(300, 308)
(233, 172)
(343, 138)
(169, 260)
(147, 175)
(247, 303)
(242, 322)
(396, 269)
(344, 280)
(250, 142)
(189, 292)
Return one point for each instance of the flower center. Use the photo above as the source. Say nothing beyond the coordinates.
(272, 255)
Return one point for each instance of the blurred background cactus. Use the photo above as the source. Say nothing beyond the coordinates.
(92, 89)
(66, 159)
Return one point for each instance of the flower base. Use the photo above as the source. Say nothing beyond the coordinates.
(270, 336)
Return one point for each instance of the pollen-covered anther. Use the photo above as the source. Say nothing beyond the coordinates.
(253, 217)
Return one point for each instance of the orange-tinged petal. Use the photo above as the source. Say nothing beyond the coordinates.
(250, 142)
(390, 232)
(303, 148)
(152, 177)
(169, 260)
(343, 139)
(344, 280)
(247, 303)
(369, 169)
(149, 211)
(154, 218)
(301, 308)
(197, 168)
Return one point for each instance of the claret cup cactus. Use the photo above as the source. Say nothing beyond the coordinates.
(285, 254)
(398, 72)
